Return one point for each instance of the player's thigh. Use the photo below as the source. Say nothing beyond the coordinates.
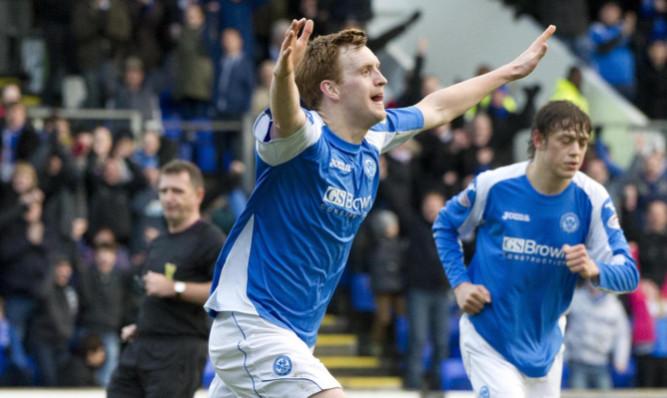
(218, 389)
(256, 358)
(490, 374)
(549, 385)
(330, 393)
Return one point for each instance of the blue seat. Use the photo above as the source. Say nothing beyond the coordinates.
(362, 295)
(453, 375)
(209, 374)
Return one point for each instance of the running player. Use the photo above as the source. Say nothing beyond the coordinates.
(542, 225)
(317, 176)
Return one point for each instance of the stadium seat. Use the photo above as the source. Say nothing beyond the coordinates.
(453, 375)
(362, 295)
(209, 374)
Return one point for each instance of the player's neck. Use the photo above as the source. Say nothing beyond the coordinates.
(544, 180)
(346, 129)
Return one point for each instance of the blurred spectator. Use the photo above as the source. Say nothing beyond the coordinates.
(569, 89)
(235, 79)
(350, 13)
(19, 139)
(151, 36)
(652, 76)
(55, 18)
(84, 364)
(111, 197)
(261, 94)
(481, 131)
(104, 236)
(387, 279)
(135, 94)
(597, 329)
(648, 306)
(101, 151)
(102, 30)
(427, 286)
(571, 18)
(14, 366)
(652, 21)
(653, 244)
(53, 326)
(416, 85)
(105, 304)
(612, 55)
(278, 29)
(236, 14)
(23, 254)
(651, 183)
(194, 71)
(11, 94)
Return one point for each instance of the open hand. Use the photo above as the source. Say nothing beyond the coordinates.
(525, 63)
(293, 47)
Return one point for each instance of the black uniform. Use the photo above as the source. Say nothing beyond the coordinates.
(168, 356)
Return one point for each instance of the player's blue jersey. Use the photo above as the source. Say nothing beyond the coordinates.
(519, 257)
(287, 251)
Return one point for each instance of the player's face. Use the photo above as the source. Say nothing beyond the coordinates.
(564, 151)
(180, 200)
(362, 86)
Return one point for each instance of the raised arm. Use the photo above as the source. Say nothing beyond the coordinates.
(446, 104)
(288, 117)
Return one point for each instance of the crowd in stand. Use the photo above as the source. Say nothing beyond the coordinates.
(79, 207)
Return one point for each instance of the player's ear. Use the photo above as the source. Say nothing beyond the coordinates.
(330, 89)
(539, 140)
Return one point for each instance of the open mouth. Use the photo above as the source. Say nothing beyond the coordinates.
(377, 98)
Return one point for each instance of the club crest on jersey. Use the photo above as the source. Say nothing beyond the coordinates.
(569, 222)
(370, 168)
(282, 366)
(484, 392)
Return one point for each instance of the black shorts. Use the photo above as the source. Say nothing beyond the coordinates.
(159, 368)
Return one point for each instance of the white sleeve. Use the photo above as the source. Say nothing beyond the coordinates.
(280, 150)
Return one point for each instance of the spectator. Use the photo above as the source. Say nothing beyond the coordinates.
(652, 75)
(19, 139)
(135, 94)
(194, 71)
(85, 363)
(653, 244)
(235, 82)
(387, 279)
(260, 97)
(23, 254)
(54, 323)
(151, 37)
(612, 56)
(14, 366)
(102, 30)
(11, 94)
(572, 19)
(597, 329)
(569, 89)
(111, 198)
(105, 305)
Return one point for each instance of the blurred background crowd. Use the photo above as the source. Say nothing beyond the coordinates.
(79, 206)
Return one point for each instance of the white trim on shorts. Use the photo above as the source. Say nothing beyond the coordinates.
(255, 358)
(492, 376)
